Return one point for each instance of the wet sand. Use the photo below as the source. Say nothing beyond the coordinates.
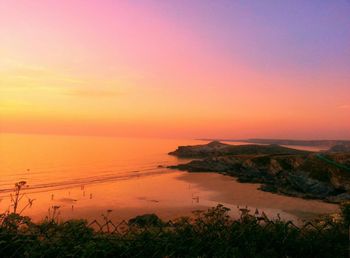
(86, 176)
(227, 190)
(170, 195)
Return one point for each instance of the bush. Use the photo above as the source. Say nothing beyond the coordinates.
(207, 234)
(146, 220)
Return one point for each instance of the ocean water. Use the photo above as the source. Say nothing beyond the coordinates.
(85, 176)
(49, 162)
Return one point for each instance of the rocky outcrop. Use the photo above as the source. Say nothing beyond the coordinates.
(308, 143)
(216, 148)
(340, 148)
(301, 174)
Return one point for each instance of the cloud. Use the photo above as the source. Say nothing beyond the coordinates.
(93, 93)
(18, 76)
(344, 106)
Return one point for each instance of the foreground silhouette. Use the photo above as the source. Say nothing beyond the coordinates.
(207, 234)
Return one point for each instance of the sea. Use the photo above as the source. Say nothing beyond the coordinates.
(91, 177)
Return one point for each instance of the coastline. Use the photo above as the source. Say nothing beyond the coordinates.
(226, 189)
(173, 195)
(278, 169)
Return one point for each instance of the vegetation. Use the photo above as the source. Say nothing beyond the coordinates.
(208, 234)
(279, 169)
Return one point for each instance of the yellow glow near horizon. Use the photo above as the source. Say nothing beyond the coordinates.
(130, 69)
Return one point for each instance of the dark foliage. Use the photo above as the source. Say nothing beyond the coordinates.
(207, 234)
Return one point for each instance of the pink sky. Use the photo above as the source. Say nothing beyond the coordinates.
(176, 68)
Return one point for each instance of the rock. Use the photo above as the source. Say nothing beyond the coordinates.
(310, 187)
(216, 148)
(212, 148)
(306, 175)
(340, 148)
(339, 198)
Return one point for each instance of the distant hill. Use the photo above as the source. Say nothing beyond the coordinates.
(216, 148)
(340, 148)
(315, 143)
(320, 175)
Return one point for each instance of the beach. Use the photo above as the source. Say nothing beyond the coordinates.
(128, 177)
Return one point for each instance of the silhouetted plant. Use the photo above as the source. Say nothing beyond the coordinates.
(16, 197)
(53, 213)
(146, 220)
(12, 219)
(212, 233)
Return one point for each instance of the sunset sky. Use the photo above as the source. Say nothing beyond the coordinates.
(190, 69)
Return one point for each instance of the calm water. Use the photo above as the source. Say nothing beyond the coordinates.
(86, 176)
(60, 161)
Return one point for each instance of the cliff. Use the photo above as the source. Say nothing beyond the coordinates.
(340, 148)
(314, 143)
(216, 148)
(281, 170)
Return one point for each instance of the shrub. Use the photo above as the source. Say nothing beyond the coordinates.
(207, 234)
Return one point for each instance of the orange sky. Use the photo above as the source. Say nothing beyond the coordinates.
(175, 69)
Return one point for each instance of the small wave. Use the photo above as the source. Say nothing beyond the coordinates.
(44, 187)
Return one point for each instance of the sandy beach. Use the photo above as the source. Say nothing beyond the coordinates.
(227, 190)
(170, 195)
(100, 174)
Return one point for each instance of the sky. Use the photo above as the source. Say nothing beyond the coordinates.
(179, 69)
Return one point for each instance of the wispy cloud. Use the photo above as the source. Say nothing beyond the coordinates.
(344, 106)
(93, 93)
(15, 75)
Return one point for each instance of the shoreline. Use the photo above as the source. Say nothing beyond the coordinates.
(173, 195)
(278, 169)
(228, 190)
